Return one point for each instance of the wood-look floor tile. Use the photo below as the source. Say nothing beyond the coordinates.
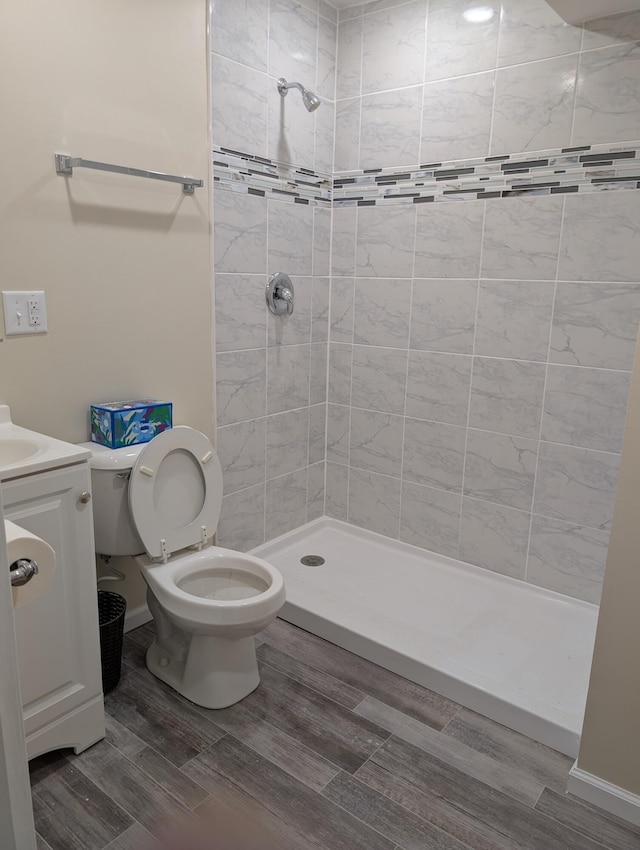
(131, 788)
(276, 746)
(315, 821)
(169, 777)
(526, 828)
(122, 738)
(609, 831)
(545, 765)
(387, 817)
(135, 838)
(328, 686)
(411, 699)
(514, 783)
(325, 727)
(41, 844)
(71, 812)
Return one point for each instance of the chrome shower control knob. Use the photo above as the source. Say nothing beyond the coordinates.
(279, 294)
(85, 497)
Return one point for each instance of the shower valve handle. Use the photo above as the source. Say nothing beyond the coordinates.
(279, 294)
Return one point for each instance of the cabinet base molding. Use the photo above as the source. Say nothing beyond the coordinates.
(613, 799)
(78, 729)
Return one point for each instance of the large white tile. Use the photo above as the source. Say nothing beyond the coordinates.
(448, 240)
(341, 311)
(338, 425)
(240, 232)
(320, 309)
(433, 454)
(585, 407)
(611, 30)
(241, 524)
(287, 441)
(438, 387)
(457, 46)
(500, 468)
(506, 396)
(385, 243)
(608, 98)
(347, 139)
(568, 558)
(376, 442)
(595, 324)
(349, 64)
(456, 118)
(239, 106)
(290, 236)
(318, 370)
(601, 237)
(494, 537)
(321, 241)
(374, 502)
(521, 238)
(533, 105)
(241, 449)
(533, 30)
(241, 314)
(339, 382)
(293, 39)
(576, 485)
(326, 66)
(239, 30)
(430, 518)
(393, 47)
(325, 120)
(315, 491)
(443, 315)
(390, 128)
(337, 491)
(240, 385)
(287, 377)
(343, 241)
(514, 318)
(291, 128)
(286, 503)
(378, 378)
(382, 312)
(317, 433)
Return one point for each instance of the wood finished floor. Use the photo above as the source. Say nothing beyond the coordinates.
(333, 752)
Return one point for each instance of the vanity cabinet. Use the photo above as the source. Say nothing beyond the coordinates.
(57, 633)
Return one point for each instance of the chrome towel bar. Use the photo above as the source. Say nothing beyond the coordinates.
(66, 164)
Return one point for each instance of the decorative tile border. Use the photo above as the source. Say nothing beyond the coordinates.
(590, 168)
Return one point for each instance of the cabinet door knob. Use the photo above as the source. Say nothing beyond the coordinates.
(85, 497)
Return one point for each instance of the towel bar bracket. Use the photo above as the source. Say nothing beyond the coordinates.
(65, 165)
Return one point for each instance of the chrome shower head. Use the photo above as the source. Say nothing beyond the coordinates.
(310, 100)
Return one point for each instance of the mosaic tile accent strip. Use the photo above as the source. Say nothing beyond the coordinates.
(255, 175)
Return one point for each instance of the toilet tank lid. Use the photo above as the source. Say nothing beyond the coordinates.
(102, 457)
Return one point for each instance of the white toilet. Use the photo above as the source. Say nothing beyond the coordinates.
(163, 498)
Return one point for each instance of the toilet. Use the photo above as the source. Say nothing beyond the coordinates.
(160, 503)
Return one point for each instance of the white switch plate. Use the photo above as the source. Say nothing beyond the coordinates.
(24, 312)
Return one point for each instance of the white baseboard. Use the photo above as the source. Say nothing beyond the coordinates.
(606, 795)
(136, 617)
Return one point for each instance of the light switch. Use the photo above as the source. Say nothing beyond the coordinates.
(24, 312)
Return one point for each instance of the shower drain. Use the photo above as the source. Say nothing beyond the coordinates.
(312, 560)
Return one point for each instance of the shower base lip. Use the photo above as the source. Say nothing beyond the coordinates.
(426, 617)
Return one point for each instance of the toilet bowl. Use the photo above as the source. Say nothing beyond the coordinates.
(160, 503)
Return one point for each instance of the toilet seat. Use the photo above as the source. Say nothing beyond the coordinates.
(175, 491)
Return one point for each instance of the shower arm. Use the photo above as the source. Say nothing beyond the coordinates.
(284, 86)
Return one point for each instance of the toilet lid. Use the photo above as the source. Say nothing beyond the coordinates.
(175, 489)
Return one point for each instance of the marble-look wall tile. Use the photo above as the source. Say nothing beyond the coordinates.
(533, 30)
(239, 106)
(376, 442)
(438, 387)
(339, 382)
(390, 128)
(291, 129)
(576, 485)
(433, 454)
(287, 377)
(324, 139)
(430, 518)
(241, 449)
(386, 241)
(443, 315)
(294, 329)
(337, 491)
(347, 140)
(500, 468)
(341, 313)
(611, 30)
(318, 371)
(343, 241)
(239, 31)
(241, 314)
(393, 47)
(290, 238)
(293, 38)
(338, 426)
(379, 378)
(240, 233)
(533, 106)
(494, 537)
(567, 558)
(456, 118)
(585, 407)
(315, 491)
(382, 312)
(456, 46)
(601, 238)
(595, 324)
(240, 385)
(349, 63)
(374, 502)
(449, 240)
(320, 309)
(321, 241)
(506, 396)
(607, 100)
(287, 441)
(521, 239)
(326, 10)
(317, 433)
(326, 66)
(514, 318)
(286, 503)
(241, 524)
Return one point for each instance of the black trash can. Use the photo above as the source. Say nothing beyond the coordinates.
(111, 611)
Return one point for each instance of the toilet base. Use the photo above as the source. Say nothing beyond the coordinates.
(216, 672)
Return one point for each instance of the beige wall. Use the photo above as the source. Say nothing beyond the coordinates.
(610, 744)
(124, 262)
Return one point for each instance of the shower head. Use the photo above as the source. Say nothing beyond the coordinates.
(310, 100)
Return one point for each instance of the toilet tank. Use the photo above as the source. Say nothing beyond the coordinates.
(115, 532)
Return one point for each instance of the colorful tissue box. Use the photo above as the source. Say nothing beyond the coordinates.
(125, 423)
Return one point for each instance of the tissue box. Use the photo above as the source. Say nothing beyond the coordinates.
(124, 423)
